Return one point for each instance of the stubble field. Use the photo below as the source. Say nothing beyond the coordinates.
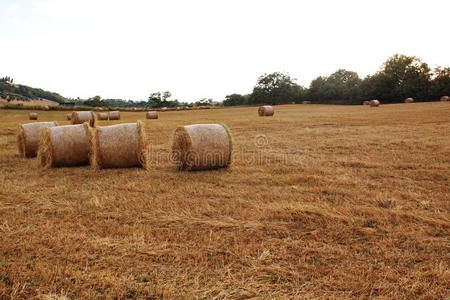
(321, 202)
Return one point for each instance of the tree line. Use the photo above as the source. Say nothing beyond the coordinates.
(398, 78)
(6, 79)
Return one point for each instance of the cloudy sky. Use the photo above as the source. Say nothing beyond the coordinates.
(200, 48)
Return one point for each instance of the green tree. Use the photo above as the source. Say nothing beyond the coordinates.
(96, 101)
(235, 99)
(166, 95)
(155, 100)
(400, 77)
(204, 102)
(341, 87)
(276, 88)
(162, 100)
(440, 85)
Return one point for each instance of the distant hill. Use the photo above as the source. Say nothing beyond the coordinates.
(10, 91)
(36, 102)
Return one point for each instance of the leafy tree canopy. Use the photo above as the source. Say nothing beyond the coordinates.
(399, 77)
(275, 88)
(235, 99)
(340, 87)
(96, 101)
(440, 85)
(159, 99)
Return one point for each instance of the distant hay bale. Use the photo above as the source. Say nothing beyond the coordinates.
(45, 107)
(118, 146)
(152, 115)
(374, 103)
(102, 116)
(28, 137)
(366, 102)
(409, 100)
(33, 116)
(445, 99)
(306, 102)
(80, 117)
(114, 115)
(69, 116)
(164, 109)
(202, 147)
(265, 111)
(64, 146)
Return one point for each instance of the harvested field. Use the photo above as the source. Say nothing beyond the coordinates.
(320, 201)
(35, 102)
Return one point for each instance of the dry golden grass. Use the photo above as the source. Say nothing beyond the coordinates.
(320, 202)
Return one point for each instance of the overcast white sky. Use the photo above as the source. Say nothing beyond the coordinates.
(200, 48)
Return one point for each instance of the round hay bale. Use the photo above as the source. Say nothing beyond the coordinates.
(445, 98)
(114, 115)
(102, 116)
(28, 137)
(69, 116)
(306, 102)
(152, 115)
(64, 146)
(409, 100)
(119, 146)
(366, 102)
(33, 116)
(45, 107)
(202, 147)
(265, 111)
(164, 109)
(80, 117)
(374, 103)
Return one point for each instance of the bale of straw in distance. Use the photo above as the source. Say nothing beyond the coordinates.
(374, 103)
(69, 116)
(33, 116)
(28, 137)
(265, 110)
(445, 98)
(409, 100)
(103, 116)
(366, 102)
(114, 115)
(118, 146)
(80, 117)
(45, 107)
(306, 102)
(64, 146)
(202, 147)
(152, 115)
